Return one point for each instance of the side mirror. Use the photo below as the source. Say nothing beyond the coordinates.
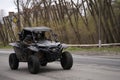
(19, 33)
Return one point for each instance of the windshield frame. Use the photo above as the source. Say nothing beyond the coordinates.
(52, 34)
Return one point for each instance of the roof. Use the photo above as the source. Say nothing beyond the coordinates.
(40, 28)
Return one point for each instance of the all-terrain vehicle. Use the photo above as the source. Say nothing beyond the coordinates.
(38, 46)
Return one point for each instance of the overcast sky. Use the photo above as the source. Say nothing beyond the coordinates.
(7, 5)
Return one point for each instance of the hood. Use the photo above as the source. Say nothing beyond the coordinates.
(47, 43)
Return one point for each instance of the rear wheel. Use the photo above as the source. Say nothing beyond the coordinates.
(33, 64)
(13, 61)
(66, 60)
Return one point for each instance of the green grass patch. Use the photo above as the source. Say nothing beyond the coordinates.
(87, 49)
(5, 47)
(92, 49)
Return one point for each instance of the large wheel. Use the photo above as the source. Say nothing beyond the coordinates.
(33, 64)
(66, 60)
(13, 61)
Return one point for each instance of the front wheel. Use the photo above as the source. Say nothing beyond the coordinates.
(13, 61)
(66, 60)
(33, 64)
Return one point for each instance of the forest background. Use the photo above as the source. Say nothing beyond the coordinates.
(75, 22)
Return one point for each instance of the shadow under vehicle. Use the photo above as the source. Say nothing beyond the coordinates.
(38, 46)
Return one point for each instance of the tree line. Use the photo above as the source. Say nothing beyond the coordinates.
(78, 22)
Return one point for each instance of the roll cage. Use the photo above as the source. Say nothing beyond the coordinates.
(34, 30)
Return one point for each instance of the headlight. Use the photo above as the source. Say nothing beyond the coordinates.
(54, 49)
(33, 48)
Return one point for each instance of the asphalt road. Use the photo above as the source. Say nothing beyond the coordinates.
(84, 68)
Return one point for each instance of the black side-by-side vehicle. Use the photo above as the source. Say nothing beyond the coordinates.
(38, 46)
